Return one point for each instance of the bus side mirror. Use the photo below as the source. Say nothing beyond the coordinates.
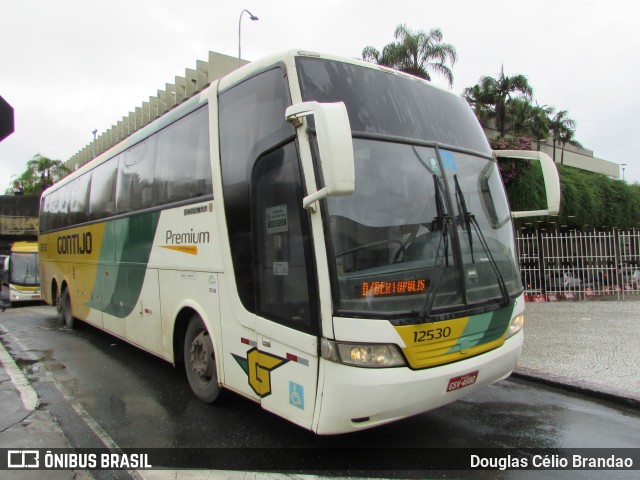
(333, 133)
(549, 174)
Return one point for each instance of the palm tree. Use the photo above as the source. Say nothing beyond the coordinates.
(529, 118)
(416, 53)
(481, 102)
(563, 129)
(498, 93)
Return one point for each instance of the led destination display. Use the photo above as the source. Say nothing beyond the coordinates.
(391, 288)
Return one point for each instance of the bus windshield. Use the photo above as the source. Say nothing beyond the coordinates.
(24, 269)
(429, 222)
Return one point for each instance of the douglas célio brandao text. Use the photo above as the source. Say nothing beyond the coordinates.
(551, 462)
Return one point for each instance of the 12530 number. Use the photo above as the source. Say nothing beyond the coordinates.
(433, 334)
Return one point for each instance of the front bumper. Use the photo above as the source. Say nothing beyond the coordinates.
(359, 398)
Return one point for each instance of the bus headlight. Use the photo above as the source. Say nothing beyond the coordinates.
(363, 355)
(516, 325)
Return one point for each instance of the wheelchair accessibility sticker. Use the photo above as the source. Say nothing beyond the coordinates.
(296, 395)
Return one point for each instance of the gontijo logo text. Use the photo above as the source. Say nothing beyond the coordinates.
(75, 244)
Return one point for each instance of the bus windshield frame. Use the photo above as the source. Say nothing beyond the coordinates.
(429, 216)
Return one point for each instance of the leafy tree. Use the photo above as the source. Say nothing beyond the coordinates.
(41, 173)
(496, 95)
(416, 52)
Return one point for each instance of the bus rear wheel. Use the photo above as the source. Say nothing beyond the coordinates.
(65, 315)
(199, 361)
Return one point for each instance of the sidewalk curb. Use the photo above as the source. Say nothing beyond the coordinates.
(27, 394)
(623, 397)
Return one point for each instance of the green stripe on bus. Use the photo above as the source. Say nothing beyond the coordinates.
(126, 248)
(483, 328)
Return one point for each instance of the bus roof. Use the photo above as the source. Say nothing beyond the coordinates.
(25, 247)
(200, 97)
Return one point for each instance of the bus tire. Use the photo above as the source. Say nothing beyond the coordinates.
(65, 315)
(199, 361)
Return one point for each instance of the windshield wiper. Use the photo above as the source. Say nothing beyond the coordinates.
(462, 207)
(440, 263)
(441, 221)
(470, 219)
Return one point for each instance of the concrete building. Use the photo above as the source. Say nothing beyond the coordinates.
(18, 219)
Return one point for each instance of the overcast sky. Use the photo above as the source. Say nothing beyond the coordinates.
(69, 67)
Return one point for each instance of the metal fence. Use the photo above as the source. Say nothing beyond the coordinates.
(568, 265)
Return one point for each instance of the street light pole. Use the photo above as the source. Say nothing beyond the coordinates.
(252, 17)
(93, 145)
(623, 165)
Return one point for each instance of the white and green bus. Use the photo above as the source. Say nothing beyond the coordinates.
(324, 236)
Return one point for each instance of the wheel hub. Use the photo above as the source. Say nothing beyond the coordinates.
(201, 355)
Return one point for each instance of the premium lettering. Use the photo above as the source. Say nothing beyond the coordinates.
(186, 238)
(76, 244)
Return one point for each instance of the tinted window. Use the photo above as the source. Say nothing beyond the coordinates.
(102, 197)
(79, 200)
(169, 166)
(251, 123)
(183, 168)
(285, 284)
(59, 207)
(135, 177)
(43, 222)
(46, 212)
(385, 104)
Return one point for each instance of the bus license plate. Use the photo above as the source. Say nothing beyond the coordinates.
(462, 381)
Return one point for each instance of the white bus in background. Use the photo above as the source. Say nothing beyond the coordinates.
(20, 273)
(326, 237)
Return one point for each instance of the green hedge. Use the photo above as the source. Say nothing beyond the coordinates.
(589, 200)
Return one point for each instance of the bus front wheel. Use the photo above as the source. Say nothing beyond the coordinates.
(65, 315)
(199, 361)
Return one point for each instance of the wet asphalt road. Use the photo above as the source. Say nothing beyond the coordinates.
(97, 385)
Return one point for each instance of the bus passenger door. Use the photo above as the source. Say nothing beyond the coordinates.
(286, 357)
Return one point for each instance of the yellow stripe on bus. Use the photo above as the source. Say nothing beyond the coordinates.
(190, 249)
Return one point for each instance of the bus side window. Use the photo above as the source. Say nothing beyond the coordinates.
(183, 168)
(135, 177)
(251, 122)
(46, 213)
(282, 248)
(102, 192)
(60, 208)
(79, 204)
